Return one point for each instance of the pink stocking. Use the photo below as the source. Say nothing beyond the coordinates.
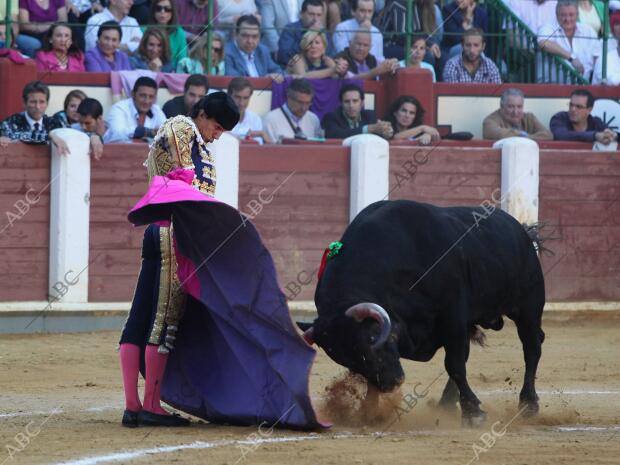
(155, 368)
(130, 367)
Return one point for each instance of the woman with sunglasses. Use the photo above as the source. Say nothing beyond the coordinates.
(164, 14)
(196, 63)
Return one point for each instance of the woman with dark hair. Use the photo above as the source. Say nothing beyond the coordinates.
(106, 56)
(59, 52)
(69, 115)
(164, 14)
(153, 52)
(406, 116)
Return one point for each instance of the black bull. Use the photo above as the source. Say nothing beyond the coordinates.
(411, 278)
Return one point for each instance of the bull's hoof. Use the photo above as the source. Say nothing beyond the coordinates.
(448, 407)
(529, 408)
(473, 420)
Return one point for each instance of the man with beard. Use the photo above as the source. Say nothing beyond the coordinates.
(472, 65)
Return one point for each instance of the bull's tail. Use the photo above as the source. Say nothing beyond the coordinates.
(477, 336)
(534, 233)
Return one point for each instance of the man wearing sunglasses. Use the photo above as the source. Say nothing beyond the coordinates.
(577, 124)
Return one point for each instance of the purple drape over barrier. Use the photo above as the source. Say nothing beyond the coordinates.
(325, 93)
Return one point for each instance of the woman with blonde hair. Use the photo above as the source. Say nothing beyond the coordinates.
(196, 62)
(312, 61)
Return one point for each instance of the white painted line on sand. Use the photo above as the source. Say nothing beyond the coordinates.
(134, 454)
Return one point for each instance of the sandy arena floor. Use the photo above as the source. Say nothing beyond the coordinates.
(61, 402)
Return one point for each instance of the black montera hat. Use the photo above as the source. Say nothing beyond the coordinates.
(222, 108)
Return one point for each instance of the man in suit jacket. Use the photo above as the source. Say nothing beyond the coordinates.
(351, 119)
(275, 15)
(246, 56)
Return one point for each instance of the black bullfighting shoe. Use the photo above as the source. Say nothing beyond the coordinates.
(130, 419)
(154, 419)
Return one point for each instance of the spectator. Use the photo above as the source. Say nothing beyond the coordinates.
(313, 61)
(245, 56)
(406, 116)
(312, 15)
(230, 11)
(426, 19)
(138, 117)
(35, 20)
(250, 126)
(351, 119)
(362, 16)
(69, 114)
(59, 52)
(472, 65)
(32, 125)
(534, 13)
(575, 42)
(26, 44)
(117, 10)
(276, 15)
(153, 53)
(614, 21)
(196, 63)
(164, 14)
(577, 124)
(140, 10)
(613, 67)
(334, 13)
(416, 55)
(361, 63)
(592, 13)
(294, 119)
(196, 86)
(511, 121)
(461, 16)
(90, 114)
(107, 56)
(79, 12)
(194, 16)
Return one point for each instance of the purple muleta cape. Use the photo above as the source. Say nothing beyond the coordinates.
(238, 358)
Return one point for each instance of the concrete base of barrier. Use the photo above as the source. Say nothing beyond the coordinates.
(32, 317)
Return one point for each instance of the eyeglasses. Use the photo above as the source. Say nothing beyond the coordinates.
(216, 50)
(578, 107)
(162, 8)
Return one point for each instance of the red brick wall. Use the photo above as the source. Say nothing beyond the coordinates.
(24, 221)
(580, 197)
(308, 212)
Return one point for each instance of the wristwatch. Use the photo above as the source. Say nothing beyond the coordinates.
(572, 57)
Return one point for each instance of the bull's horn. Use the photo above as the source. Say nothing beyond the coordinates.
(309, 335)
(365, 310)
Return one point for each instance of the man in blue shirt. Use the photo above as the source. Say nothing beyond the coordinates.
(246, 56)
(577, 124)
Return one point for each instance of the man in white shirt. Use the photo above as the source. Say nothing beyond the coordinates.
(250, 126)
(613, 68)
(575, 42)
(135, 118)
(118, 10)
(294, 119)
(534, 13)
(362, 16)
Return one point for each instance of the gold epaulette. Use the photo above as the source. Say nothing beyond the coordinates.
(172, 147)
